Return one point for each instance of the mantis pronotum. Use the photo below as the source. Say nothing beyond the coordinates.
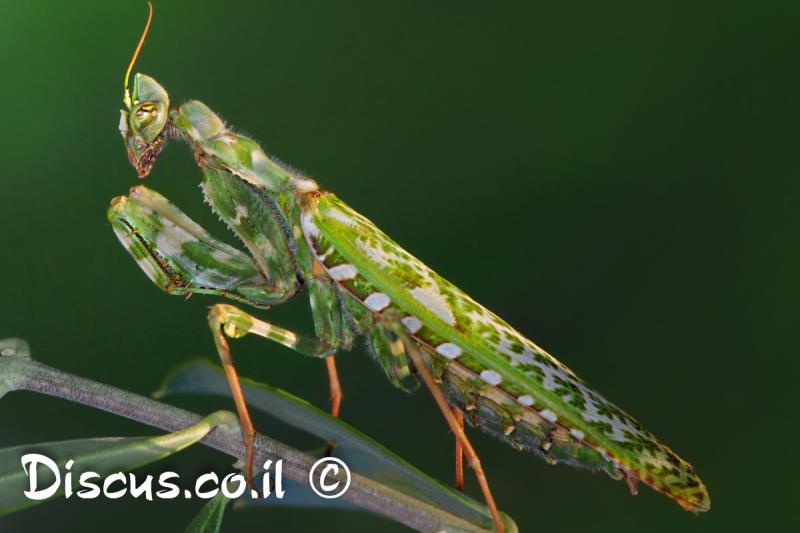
(361, 283)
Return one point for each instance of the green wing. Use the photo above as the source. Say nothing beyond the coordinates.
(382, 274)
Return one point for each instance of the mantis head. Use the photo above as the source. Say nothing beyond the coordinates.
(143, 123)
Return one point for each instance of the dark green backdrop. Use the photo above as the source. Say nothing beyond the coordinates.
(618, 181)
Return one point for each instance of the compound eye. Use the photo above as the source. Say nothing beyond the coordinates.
(144, 114)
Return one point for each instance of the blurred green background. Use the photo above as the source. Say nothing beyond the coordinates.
(618, 181)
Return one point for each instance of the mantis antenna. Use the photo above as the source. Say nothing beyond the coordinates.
(127, 98)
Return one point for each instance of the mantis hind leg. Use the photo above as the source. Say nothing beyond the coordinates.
(459, 456)
(227, 321)
(336, 396)
(455, 422)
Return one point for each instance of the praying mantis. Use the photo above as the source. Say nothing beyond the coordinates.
(299, 238)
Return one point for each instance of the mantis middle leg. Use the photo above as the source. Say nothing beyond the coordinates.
(229, 321)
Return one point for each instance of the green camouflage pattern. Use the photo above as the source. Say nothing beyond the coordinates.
(360, 282)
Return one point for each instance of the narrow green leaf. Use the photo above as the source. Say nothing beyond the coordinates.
(361, 453)
(209, 519)
(18, 372)
(104, 456)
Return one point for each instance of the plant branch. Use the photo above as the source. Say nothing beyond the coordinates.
(19, 372)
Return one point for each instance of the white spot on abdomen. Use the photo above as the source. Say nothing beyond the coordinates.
(411, 323)
(547, 414)
(525, 400)
(449, 350)
(491, 377)
(343, 272)
(377, 301)
(577, 433)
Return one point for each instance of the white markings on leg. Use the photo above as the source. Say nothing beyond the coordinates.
(170, 240)
(220, 255)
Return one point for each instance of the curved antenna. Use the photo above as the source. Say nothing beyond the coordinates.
(127, 98)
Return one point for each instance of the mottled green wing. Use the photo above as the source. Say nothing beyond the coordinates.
(382, 274)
